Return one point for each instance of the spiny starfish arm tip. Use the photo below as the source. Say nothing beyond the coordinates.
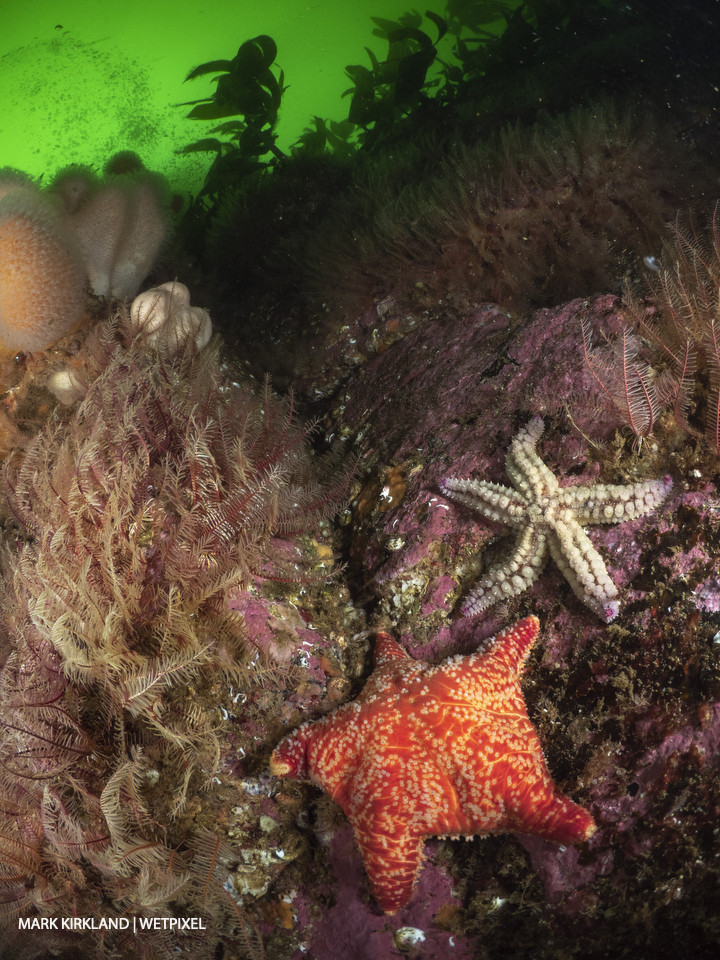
(584, 569)
(615, 503)
(527, 472)
(495, 501)
(512, 577)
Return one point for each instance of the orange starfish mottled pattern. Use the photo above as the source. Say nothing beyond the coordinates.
(434, 750)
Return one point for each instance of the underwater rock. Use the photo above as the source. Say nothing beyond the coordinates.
(339, 261)
(627, 713)
(422, 412)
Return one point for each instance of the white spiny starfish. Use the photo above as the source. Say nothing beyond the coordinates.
(550, 519)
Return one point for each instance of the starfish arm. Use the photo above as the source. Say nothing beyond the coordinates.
(507, 652)
(528, 473)
(561, 821)
(326, 751)
(584, 568)
(613, 503)
(512, 577)
(533, 805)
(388, 649)
(463, 697)
(392, 862)
(289, 758)
(388, 804)
(492, 500)
(503, 781)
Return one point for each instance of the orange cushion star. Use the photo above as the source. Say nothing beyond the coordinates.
(434, 750)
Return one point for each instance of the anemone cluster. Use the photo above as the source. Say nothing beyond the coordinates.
(104, 231)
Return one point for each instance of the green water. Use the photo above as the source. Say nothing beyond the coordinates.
(80, 80)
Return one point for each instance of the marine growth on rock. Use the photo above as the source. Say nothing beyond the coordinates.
(137, 513)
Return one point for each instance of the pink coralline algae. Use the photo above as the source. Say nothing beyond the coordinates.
(354, 928)
(422, 408)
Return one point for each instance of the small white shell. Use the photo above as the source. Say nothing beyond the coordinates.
(406, 937)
